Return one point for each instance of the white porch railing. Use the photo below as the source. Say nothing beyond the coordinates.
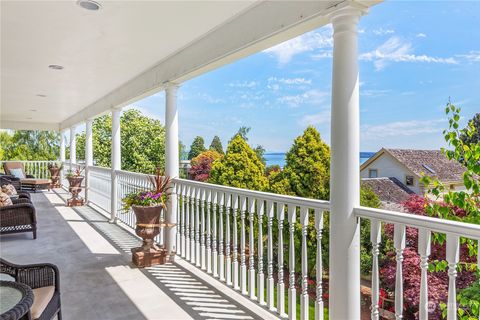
(247, 238)
(39, 169)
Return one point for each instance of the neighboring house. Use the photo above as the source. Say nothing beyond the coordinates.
(407, 166)
(390, 191)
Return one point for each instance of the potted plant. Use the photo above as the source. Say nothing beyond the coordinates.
(148, 206)
(75, 179)
(55, 168)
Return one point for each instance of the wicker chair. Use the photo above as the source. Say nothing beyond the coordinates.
(44, 279)
(19, 217)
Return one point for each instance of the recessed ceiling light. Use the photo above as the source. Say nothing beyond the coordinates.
(41, 95)
(89, 5)
(29, 118)
(55, 67)
(33, 110)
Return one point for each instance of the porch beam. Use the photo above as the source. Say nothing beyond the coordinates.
(344, 302)
(23, 125)
(116, 162)
(171, 162)
(253, 30)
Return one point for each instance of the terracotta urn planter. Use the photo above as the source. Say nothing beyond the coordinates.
(148, 227)
(55, 177)
(75, 188)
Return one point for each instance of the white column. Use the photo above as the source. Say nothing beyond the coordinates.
(88, 155)
(344, 286)
(73, 147)
(171, 161)
(62, 154)
(116, 162)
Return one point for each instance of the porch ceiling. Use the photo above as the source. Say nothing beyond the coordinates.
(127, 50)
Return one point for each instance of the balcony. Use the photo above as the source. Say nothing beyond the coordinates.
(241, 254)
(223, 269)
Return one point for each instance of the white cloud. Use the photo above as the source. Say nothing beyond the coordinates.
(309, 97)
(146, 112)
(322, 55)
(209, 99)
(421, 35)
(382, 31)
(307, 42)
(290, 81)
(243, 84)
(472, 56)
(402, 128)
(396, 50)
(315, 119)
(374, 93)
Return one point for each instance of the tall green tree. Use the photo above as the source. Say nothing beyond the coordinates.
(471, 134)
(216, 145)
(307, 170)
(197, 147)
(30, 145)
(240, 167)
(142, 147)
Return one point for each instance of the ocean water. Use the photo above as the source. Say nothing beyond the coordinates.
(278, 158)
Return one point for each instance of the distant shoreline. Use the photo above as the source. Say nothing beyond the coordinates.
(278, 158)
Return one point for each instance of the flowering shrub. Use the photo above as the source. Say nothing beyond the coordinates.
(437, 277)
(202, 164)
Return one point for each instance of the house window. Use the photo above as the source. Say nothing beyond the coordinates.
(452, 187)
(409, 180)
(372, 173)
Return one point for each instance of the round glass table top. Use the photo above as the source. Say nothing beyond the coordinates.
(15, 299)
(9, 298)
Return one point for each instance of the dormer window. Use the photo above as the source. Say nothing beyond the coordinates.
(372, 173)
(409, 180)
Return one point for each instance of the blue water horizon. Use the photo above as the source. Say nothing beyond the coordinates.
(278, 158)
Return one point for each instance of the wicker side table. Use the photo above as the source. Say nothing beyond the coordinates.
(15, 300)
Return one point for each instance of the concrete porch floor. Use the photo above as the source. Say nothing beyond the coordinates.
(98, 280)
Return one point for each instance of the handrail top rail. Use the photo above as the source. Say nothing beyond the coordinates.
(463, 229)
(298, 201)
(136, 174)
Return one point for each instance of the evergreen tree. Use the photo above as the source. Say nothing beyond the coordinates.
(307, 170)
(240, 167)
(197, 147)
(216, 145)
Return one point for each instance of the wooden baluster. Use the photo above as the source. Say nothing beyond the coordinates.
(209, 232)
(221, 257)
(280, 283)
(270, 282)
(180, 217)
(214, 261)
(424, 236)
(260, 276)
(228, 260)
(251, 245)
(203, 235)
(319, 265)
(453, 245)
(187, 222)
(197, 228)
(235, 242)
(184, 216)
(243, 265)
(399, 244)
(292, 294)
(375, 238)
(304, 294)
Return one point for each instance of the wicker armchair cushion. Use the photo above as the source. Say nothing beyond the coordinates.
(42, 297)
(17, 173)
(9, 189)
(5, 200)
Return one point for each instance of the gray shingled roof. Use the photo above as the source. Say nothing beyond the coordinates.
(431, 162)
(388, 190)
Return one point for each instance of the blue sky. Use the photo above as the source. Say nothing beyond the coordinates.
(413, 55)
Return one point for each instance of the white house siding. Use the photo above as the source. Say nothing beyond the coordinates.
(387, 166)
